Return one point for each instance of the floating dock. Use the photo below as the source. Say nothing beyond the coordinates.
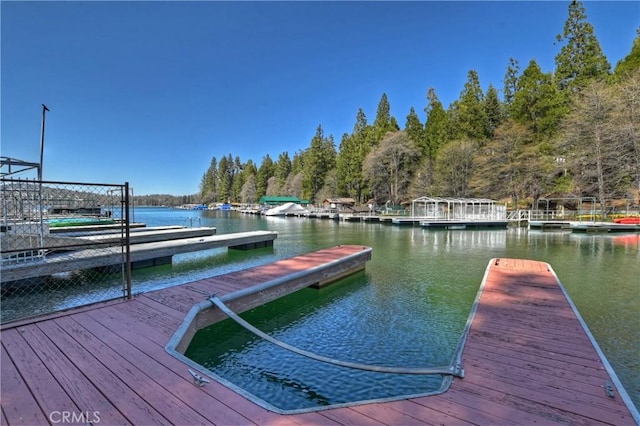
(528, 359)
(152, 235)
(94, 228)
(585, 227)
(595, 227)
(407, 221)
(143, 254)
(464, 224)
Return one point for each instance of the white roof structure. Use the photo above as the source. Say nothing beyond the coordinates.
(443, 208)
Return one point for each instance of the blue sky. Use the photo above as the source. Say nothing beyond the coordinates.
(148, 92)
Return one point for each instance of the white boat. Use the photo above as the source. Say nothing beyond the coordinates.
(285, 209)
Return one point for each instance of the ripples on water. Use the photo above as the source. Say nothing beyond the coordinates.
(419, 286)
(422, 284)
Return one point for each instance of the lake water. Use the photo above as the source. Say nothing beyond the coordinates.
(439, 273)
(417, 280)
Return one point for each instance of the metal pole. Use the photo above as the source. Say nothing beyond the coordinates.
(127, 239)
(44, 110)
(40, 206)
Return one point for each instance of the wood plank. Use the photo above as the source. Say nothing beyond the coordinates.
(479, 403)
(80, 389)
(387, 416)
(458, 410)
(19, 405)
(41, 383)
(567, 410)
(128, 321)
(485, 339)
(218, 285)
(177, 298)
(153, 347)
(166, 310)
(498, 399)
(587, 374)
(180, 387)
(122, 398)
(424, 414)
(3, 418)
(145, 314)
(519, 353)
(348, 416)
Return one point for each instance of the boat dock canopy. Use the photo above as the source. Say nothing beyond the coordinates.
(468, 209)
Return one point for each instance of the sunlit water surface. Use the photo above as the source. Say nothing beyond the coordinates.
(407, 309)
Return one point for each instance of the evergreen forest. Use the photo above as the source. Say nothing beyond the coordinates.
(570, 133)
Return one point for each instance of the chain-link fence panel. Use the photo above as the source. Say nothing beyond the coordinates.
(63, 245)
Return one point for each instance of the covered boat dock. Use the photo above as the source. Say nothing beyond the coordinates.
(458, 213)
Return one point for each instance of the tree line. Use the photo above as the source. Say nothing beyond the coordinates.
(573, 132)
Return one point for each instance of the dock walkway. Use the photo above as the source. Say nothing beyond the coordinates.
(140, 253)
(527, 360)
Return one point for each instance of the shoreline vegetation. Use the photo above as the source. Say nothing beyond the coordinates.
(566, 134)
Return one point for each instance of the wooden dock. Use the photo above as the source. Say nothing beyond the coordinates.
(527, 360)
(156, 252)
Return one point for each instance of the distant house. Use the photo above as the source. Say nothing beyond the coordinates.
(339, 203)
(270, 200)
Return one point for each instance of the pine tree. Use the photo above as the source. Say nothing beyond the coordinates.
(265, 171)
(437, 124)
(493, 110)
(631, 62)
(511, 82)
(208, 185)
(353, 150)
(225, 179)
(321, 158)
(468, 113)
(384, 122)
(436, 131)
(283, 169)
(537, 102)
(415, 130)
(581, 58)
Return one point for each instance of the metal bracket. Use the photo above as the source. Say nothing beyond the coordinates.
(458, 371)
(198, 379)
(608, 387)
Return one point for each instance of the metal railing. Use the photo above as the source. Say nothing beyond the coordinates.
(518, 215)
(63, 245)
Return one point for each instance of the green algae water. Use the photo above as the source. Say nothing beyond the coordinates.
(407, 309)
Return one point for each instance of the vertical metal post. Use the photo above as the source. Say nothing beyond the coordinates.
(44, 111)
(127, 241)
(40, 213)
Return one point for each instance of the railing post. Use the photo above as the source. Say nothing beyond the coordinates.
(127, 242)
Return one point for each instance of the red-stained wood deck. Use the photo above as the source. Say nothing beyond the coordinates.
(527, 360)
